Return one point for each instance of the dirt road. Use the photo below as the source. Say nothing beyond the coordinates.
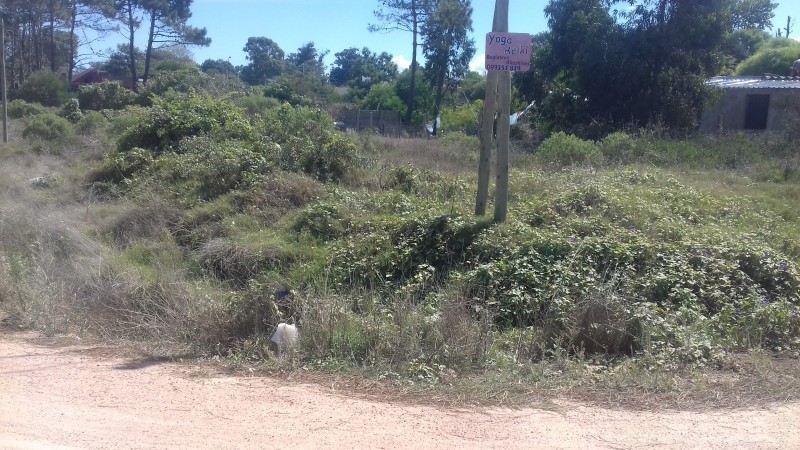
(73, 396)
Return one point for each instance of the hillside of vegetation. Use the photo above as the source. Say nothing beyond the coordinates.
(187, 222)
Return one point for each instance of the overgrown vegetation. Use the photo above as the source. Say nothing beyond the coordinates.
(192, 223)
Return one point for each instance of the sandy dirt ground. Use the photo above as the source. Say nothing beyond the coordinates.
(54, 395)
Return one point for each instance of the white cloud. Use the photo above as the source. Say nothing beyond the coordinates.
(477, 63)
(402, 62)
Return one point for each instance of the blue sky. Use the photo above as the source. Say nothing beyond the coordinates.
(331, 24)
(335, 25)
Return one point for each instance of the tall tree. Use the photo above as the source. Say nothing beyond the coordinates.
(362, 68)
(86, 15)
(129, 16)
(308, 60)
(752, 14)
(668, 49)
(447, 47)
(219, 66)
(404, 15)
(168, 27)
(266, 60)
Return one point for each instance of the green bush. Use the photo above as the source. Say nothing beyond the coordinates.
(121, 166)
(47, 126)
(164, 84)
(207, 169)
(105, 95)
(257, 104)
(284, 91)
(382, 96)
(121, 121)
(44, 87)
(563, 150)
(464, 118)
(622, 148)
(71, 110)
(91, 122)
(308, 142)
(18, 109)
(169, 121)
(775, 57)
(322, 220)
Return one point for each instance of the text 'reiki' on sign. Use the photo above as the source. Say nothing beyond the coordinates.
(508, 52)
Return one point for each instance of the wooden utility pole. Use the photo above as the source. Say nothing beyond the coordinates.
(498, 97)
(3, 71)
(503, 135)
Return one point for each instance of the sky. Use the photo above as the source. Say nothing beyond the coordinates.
(336, 25)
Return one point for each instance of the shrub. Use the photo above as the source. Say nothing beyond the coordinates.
(71, 110)
(105, 95)
(123, 120)
(207, 168)
(322, 220)
(163, 84)
(163, 126)
(620, 148)
(48, 127)
(44, 87)
(91, 122)
(257, 104)
(382, 96)
(330, 160)
(284, 91)
(18, 109)
(564, 150)
(121, 166)
(308, 142)
(464, 118)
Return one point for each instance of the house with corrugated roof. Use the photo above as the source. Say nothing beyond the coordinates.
(752, 104)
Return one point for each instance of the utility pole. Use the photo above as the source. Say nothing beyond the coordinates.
(3, 71)
(487, 125)
(497, 105)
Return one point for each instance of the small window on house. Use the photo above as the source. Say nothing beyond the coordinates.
(755, 116)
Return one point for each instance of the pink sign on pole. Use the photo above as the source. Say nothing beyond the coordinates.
(508, 52)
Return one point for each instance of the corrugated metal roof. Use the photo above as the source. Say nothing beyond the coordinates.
(765, 82)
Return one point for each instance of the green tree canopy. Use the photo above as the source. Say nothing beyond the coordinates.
(362, 68)
(601, 71)
(266, 60)
(752, 14)
(774, 57)
(383, 97)
(447, 47)
(423, 94)
(168, 27)
(307, 60)
(219, 66)
(404, 15)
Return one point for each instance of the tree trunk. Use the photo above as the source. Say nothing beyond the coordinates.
(132, 48)
(53, 67)
(415, 25)
(148, 55)
(22, 55)
(36, 37)
(662, 11)
(72, 40)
